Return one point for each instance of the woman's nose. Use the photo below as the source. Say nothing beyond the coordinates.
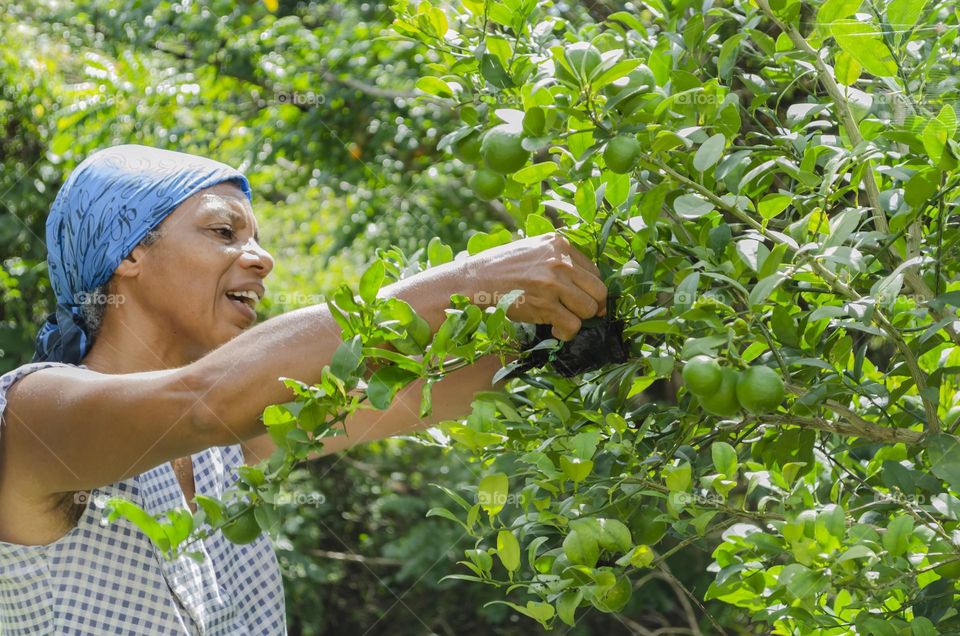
(258, 256)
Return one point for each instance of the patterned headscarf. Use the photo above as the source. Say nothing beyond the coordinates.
(105, 208)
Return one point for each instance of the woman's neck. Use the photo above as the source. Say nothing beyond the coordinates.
(119, 349)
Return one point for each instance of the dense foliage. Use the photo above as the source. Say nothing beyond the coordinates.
(768, 190)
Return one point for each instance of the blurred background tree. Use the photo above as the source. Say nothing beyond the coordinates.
(316, 103)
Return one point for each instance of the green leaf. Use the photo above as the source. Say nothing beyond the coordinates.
(586, 200)
(567, 605)
(438, 253)
(119, 507)
(944, 453)
(934, 139)
(903, 14)
(575, 469)
(481, 241)
(773, 204)
(492, 493)
(709, 152)
(535, 173)
(614, 535)
(897, 536)
(678, 477)
(846, 69)
(615, 72)
(508, 550)
(724, 458)
(371, 281)
(434, 86)
(581, 548)
(764, 287)
(385, 383)
(833, 10)
(347, 357)
(536, 224)
(691, 206)
(537, 610)
(862, 42)
(641, 556)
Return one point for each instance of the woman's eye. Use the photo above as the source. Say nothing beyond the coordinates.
(225, 232)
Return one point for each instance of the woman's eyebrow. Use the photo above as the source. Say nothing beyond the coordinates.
(234, 217)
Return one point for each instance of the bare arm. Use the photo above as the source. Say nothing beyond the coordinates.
(87, 429)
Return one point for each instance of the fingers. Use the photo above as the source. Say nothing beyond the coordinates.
(579, 302)
(591, 285)
(565, 324)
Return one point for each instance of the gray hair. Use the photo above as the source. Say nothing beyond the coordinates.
(94, 304)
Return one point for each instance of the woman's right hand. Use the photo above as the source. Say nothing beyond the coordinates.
(562, 286)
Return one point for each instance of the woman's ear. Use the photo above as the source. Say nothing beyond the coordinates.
(131, 264)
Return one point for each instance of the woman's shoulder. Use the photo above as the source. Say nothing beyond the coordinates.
(9, 378)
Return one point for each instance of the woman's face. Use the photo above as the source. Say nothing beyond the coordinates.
(204, 277)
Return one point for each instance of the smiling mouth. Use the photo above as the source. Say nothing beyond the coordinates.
(249, 298)
(245, 302)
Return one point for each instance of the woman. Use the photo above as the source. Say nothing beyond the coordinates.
(149, 380)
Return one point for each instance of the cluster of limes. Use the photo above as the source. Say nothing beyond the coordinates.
(499, 151)
(724, 391)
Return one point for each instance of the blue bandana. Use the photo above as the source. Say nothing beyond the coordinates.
(105, 208)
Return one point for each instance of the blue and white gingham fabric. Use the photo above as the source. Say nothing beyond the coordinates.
(109, 579)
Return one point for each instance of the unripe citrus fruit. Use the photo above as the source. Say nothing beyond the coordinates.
(760, 389)
(701, 375)
(502, 150)
(243, 529)
(621, 153)
(583, 58)
(723, 402)
(467, 149)
(487, 184)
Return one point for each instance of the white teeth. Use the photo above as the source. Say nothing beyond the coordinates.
(250, 295)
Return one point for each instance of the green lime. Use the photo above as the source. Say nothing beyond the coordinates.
(467, 149)
(621, 153)
(502, 150)
(487, 184)
(243, 529)
(583, 58)
(615, 598)
(760, 390)
(701, 375)
(723, 402)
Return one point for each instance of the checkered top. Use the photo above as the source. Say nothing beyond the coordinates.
(104, 578)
